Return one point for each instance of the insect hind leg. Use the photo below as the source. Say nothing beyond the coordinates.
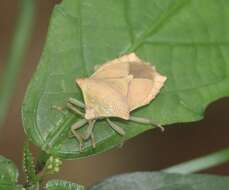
(145, 121)
(114, 126)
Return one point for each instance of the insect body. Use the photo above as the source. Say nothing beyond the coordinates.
(114, 90)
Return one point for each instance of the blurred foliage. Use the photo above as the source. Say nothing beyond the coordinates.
(15, 60)
(201, 163)
(162, 181)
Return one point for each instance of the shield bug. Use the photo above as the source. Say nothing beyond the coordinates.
(114, 90)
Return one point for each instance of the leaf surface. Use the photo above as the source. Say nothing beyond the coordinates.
(186, 40)
(63, 185)
(162, 181)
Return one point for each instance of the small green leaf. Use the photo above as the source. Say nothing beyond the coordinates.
(163, 181)
(10, 187)
(187, 40)
(63, 185)
(8, 175)
(8, 171)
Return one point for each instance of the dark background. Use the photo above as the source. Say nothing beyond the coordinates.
(152, 150)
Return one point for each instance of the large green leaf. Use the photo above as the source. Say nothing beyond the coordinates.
(63, 185)
(187, 40)
(149, 181)
(8, 175)
(163, 181)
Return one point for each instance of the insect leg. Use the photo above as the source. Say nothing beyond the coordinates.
(76, 126)
(89, 130)
(89, 133)
(76, 102)
(58, 108)
(74, 109)
(118, 129)
(145, 121)
(93, 140)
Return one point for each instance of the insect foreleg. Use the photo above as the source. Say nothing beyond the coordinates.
(58, 108)
(74, 109)
(76, 102)
(145, 121)
(118, 129)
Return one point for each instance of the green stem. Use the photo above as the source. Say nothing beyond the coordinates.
(15, 58)
(41, 161)
(201, 163)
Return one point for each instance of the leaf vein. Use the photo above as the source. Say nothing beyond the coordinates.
(172, 10)
(204, 43)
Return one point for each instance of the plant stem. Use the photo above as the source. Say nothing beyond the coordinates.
(15, 58)
(201, 163)
(41, 161)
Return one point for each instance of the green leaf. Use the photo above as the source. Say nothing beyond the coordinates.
(10, 187)
(63, 185)
(8, 171)
(163, 181)
(187, 40)
(8, 175)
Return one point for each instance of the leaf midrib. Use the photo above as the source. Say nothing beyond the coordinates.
(154, 27)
